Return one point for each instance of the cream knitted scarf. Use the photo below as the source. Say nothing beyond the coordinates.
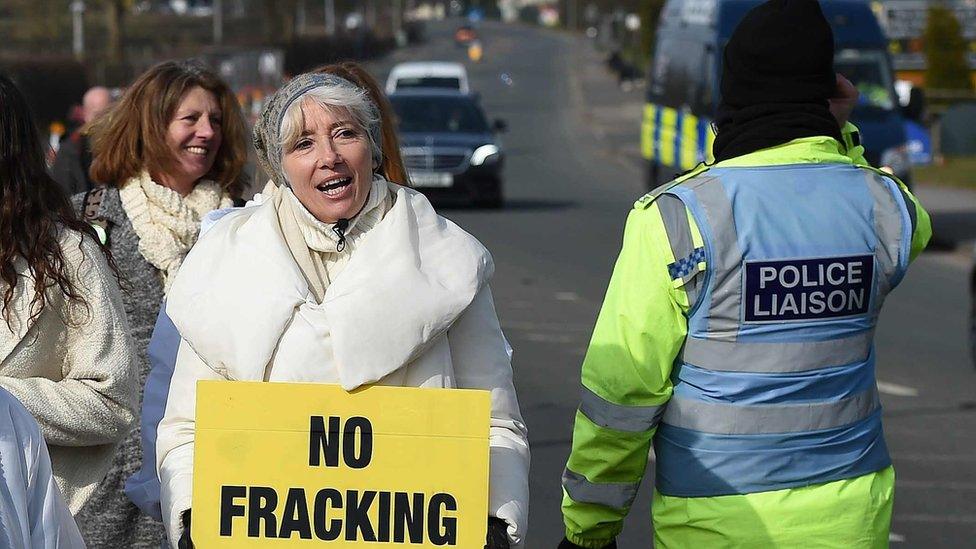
(166, 223)
(314, 244)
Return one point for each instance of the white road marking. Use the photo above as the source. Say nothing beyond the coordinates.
(550, 338)
(567, 296)
(951, 519)
(897, 538)
(965, 458)
(894, 389)
(940, 485)
(530, 326)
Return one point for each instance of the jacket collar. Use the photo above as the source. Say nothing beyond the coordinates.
(410, 278)
(806, 150)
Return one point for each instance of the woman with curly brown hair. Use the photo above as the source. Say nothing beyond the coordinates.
(65, 349)
(169, 152)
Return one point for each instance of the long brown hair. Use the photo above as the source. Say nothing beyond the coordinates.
(33, 210)
(392, 167)
(131, 135)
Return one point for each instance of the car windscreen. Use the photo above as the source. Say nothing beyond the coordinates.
(868, 70)
(432, 114)
(447, 82)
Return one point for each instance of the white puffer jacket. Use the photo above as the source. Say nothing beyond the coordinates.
(411, 308)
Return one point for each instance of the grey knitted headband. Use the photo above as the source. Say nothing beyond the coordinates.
(266, 131)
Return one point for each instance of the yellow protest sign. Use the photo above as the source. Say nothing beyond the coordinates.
(295, 465)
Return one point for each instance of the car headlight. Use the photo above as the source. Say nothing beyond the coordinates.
(898, 160)
(485, 154)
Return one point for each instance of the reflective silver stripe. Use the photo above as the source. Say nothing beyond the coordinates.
(675, 217)
(776, 358)
(618, 495)
(676, 224)
(733, 419)
(635, 419)
(726, 265)
(888, 227)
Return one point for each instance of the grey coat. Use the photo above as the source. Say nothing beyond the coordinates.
(109, 519)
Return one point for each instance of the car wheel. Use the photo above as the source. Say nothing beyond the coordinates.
(491, 197)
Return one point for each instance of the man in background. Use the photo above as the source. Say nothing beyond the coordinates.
(71, 165)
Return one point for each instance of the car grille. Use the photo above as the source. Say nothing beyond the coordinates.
(418, 159)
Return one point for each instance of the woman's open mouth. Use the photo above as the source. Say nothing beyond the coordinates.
(334, 187)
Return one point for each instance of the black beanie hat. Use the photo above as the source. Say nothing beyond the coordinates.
(781, 52)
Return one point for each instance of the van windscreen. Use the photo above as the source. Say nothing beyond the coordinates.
(868, 70)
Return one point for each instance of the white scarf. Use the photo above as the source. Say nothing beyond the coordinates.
(314, 244)
(166, 223)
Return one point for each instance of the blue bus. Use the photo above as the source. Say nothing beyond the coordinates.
(684, 93)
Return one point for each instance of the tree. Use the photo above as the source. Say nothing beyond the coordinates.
(23, 26)
(945, 52)
(278, 21)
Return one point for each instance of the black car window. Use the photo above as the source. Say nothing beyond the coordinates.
(439, 115)
(429, 82)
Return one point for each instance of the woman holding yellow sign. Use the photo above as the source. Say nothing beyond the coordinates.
(341, 277)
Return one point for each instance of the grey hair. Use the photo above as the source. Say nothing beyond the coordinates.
(340, 96)
(335, 93)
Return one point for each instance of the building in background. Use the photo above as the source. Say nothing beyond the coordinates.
(903, 21)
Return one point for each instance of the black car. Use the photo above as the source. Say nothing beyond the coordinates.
(449, 149)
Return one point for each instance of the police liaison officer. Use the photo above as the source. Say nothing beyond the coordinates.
(736, 334)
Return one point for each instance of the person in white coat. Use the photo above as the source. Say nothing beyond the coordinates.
(33, 513)
(65, 349)
(339, 276)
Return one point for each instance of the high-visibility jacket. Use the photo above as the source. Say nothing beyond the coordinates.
(736, 335)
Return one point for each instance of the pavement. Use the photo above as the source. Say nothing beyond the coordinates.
(573, 172)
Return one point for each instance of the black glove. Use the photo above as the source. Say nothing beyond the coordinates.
(497, 534)
(566, 544)
(185, 542)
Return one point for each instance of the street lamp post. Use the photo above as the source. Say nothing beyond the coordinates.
(300, 18)
(218, 21)
(371, 14)
(330, 17)
(397, 17)
(78, 28)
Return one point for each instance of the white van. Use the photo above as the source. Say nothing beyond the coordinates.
(428, 74)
